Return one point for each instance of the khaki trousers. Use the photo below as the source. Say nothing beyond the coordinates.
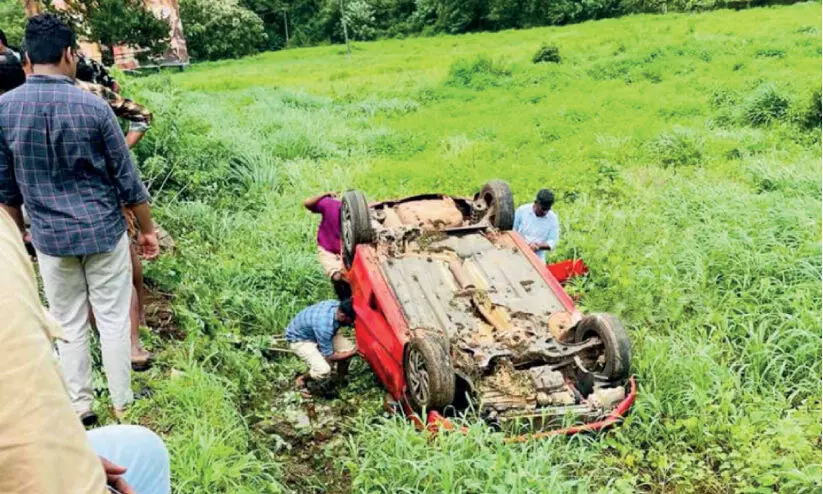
(331, 263)
(104, 282)
(308, 351)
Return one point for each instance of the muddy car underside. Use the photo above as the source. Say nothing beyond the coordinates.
(516, 350)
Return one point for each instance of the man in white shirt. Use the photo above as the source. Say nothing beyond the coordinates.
(538, 224)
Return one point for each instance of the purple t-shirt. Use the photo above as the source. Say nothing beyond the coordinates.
(328, 235)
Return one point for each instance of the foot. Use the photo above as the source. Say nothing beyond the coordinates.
(300, 382)
(120, 414)
(140, 358)
(88, 418)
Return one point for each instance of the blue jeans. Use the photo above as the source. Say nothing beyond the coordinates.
(138, 449)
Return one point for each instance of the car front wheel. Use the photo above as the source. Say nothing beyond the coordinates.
(355, 224)
(429, 374)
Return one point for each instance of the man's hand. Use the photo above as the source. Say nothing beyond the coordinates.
(338, 356)
(114, 477)
(148, 241)
(534, 246)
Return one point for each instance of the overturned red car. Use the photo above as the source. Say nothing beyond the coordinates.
(455, 311)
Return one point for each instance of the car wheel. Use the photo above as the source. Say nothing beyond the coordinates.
(616, 356)
(355, 224)
(498, 197)
(429, 374)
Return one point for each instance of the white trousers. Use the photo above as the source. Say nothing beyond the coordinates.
(104, 282)
(309, 352)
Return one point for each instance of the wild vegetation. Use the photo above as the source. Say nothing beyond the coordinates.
(685, 154)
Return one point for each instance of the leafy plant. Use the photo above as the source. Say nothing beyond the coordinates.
(547, 54)
(680, 147)
(764, 105)
(117, 22)
(220, 29)
(480, 73)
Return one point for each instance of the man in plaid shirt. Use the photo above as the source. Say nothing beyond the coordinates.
(64, 155)
(314, 336)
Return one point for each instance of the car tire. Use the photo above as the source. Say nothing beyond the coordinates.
(355, 224)
(617, 348)
(429, 374)
(498, 198)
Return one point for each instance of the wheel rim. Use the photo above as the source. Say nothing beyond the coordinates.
(418, 377)
(346, 232)
(492, 204)
(595, 359)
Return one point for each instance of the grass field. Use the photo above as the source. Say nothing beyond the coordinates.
(685, 154)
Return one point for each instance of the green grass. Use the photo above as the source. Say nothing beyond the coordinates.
(685, 154)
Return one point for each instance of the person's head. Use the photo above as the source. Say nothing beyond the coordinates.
(345, 313)
(51, 44)
(543, 203)
(4, 43)
(11, 72)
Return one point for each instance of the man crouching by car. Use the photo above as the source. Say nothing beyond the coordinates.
(314, 336)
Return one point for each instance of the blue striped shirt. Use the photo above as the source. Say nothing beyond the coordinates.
(316, 323)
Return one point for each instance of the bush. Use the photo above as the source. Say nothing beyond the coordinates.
(14, 20)
(764, 106)
(547, 53)
(480, 73)
(218, 29)
(810, 117)
(681, 147)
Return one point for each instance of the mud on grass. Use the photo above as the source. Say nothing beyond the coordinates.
(309, 434)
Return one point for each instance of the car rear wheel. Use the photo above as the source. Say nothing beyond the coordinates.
(615, 361)
(429, 374)
(498, 197)
(355, 224)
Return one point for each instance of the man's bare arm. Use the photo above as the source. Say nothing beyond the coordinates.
(146, 238)
(311, 202)
(132, 138)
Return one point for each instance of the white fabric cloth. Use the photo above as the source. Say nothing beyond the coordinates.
(102, 281)
(43, 447)
(308, 351)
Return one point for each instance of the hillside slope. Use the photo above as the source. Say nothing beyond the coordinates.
(685, 153)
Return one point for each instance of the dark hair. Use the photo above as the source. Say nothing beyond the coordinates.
(47, 37)
(545, 198)
(347, 309)
(3, 38)
(11, 72)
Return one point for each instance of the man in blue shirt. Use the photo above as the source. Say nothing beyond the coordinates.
(314, 336)
(62, 153)
(538, 224)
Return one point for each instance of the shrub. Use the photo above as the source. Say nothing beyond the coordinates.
(480, 73)
(547, 53)
(680, 147)
(810, 116)
(359, 17)
(763, 106)
(14, 21)
(770, 53)
(218, 29)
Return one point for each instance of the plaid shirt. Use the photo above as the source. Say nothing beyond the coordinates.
(316, 323)
(63, 153)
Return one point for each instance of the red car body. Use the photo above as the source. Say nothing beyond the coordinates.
(382, 331)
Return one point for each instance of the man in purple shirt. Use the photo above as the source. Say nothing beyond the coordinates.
(328, 240)
(62, 153)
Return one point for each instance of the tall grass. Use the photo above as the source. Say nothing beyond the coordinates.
(685, 156)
